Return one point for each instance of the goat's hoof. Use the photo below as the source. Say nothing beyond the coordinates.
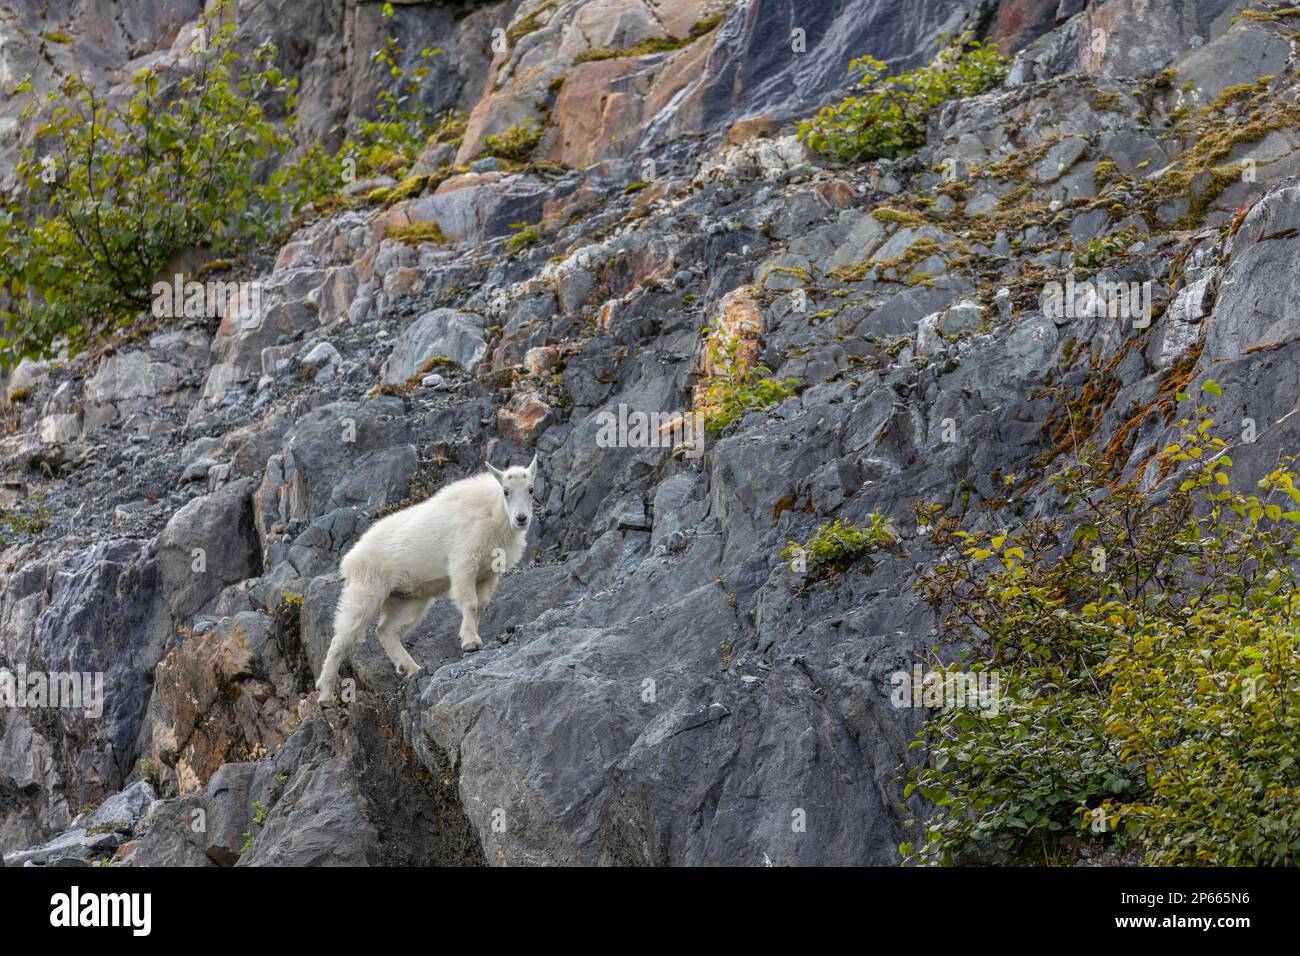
(469, 647)
(408, 670)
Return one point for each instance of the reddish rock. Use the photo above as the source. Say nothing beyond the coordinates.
(656, 261)
(521, 416)
(837, 192)
(652, 194)
(602, 106)
(593, 107)
(403, 280)
(218, 701)
(605, 315)
(1017, 22)
(541, 359)
(744, 130)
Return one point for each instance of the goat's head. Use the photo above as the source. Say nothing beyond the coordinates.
(517, 488)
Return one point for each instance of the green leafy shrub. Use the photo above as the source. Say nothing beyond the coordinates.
(837, 545)
(888, 117)
(1150, 666)
(119, 188)
(402, 125)
(259, 821)
(386, 144)
(1104, 248)
(516, 144)
(114, 189)
(524, 236)
(24, 523)
(734, 390)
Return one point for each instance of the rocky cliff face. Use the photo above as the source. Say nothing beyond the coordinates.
(657, 685)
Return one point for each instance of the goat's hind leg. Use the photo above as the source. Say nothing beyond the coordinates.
(358, 604)
(400, 614)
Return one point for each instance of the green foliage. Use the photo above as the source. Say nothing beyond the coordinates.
(414, 233)
(408, 187)
(149, 771)
(1267, 16)
(734, 390)
(904, 218)
(114, 189)
(837, 545)
(402, 124)
(1150, 674)
(259, 821)
(524, 236)
(118, 188)
(644, 48)
(530, 23)
(1103, 248)
(888, 117)
(23, 524)
(516, 144)
(1104, 172)
(386, 144)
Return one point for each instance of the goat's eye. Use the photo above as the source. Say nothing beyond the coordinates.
(507, 493)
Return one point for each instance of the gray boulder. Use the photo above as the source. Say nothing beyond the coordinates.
(208, 544)
(447, 333)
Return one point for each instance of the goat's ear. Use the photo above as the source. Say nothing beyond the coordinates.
(532, 469)
(495, 472)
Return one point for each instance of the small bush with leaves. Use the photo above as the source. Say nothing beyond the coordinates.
(1102, 249)
(402, 125)
(516, 144)
(388, 143)
(121, 186)
(523, 236)
(889, 115)
(1150, 667)
(837, 545)
(735, 389)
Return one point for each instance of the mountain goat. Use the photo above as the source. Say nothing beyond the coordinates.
(457, 543)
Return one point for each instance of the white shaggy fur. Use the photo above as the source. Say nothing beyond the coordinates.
(457, 543)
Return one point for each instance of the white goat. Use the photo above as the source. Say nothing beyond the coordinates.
(457, 543)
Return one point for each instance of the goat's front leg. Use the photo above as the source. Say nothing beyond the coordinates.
(464, 594)
(486, 588)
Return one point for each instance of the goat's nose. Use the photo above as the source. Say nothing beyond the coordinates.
(521, 520)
